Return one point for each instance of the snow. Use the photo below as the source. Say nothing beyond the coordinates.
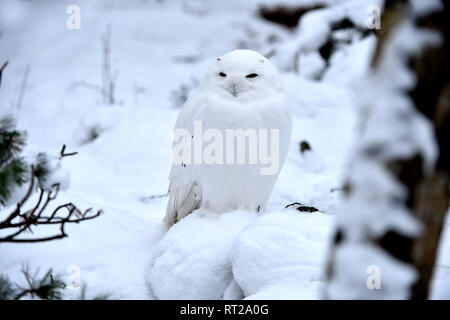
(192, 260)
(278, 255)
(57, 174)
(395, 276)
(311, 64)
(210, 256)
(441, 273)
(292, 259)
(314, 29)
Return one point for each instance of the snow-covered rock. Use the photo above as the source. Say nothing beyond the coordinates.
(235, 255)
(192, 260)
(280, 256)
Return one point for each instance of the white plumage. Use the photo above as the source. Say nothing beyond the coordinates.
(241, 90)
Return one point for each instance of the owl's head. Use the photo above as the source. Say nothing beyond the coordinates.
(243, 75)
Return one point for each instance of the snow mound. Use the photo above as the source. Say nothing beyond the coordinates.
(192, 260)
(357, 268)
(281, 255)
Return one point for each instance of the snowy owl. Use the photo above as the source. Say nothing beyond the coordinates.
(231, 138)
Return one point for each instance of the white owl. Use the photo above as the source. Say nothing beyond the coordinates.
(241, 92)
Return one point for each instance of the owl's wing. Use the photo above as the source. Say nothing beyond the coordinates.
(184, 187)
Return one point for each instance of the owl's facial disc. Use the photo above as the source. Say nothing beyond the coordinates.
(244, 75)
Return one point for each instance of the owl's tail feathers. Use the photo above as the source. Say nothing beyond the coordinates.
(182, 201)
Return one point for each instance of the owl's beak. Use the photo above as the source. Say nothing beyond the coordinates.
(234, 88)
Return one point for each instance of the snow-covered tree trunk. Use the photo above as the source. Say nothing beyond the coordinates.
(388, 228)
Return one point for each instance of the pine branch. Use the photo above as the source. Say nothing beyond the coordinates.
(11, 140)
(12, 175)
(7, 291)
(19, 205)
(47, 287)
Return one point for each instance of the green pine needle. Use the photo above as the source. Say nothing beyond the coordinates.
(11, 140)
(7, 291)
(12, 175)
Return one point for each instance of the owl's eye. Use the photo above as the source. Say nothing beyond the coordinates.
(251, 75)
(222, 74)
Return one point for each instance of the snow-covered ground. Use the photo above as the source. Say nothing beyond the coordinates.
(157, 48)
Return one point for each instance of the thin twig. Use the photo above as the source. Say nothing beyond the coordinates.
(87, 85)
(156, 196)
(4, 65)
(63, 154)
(23, 87)
(1, 70)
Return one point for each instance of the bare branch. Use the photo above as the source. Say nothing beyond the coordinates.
(36, 215)
(63, 154)
(1, 70)
(4, 65)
